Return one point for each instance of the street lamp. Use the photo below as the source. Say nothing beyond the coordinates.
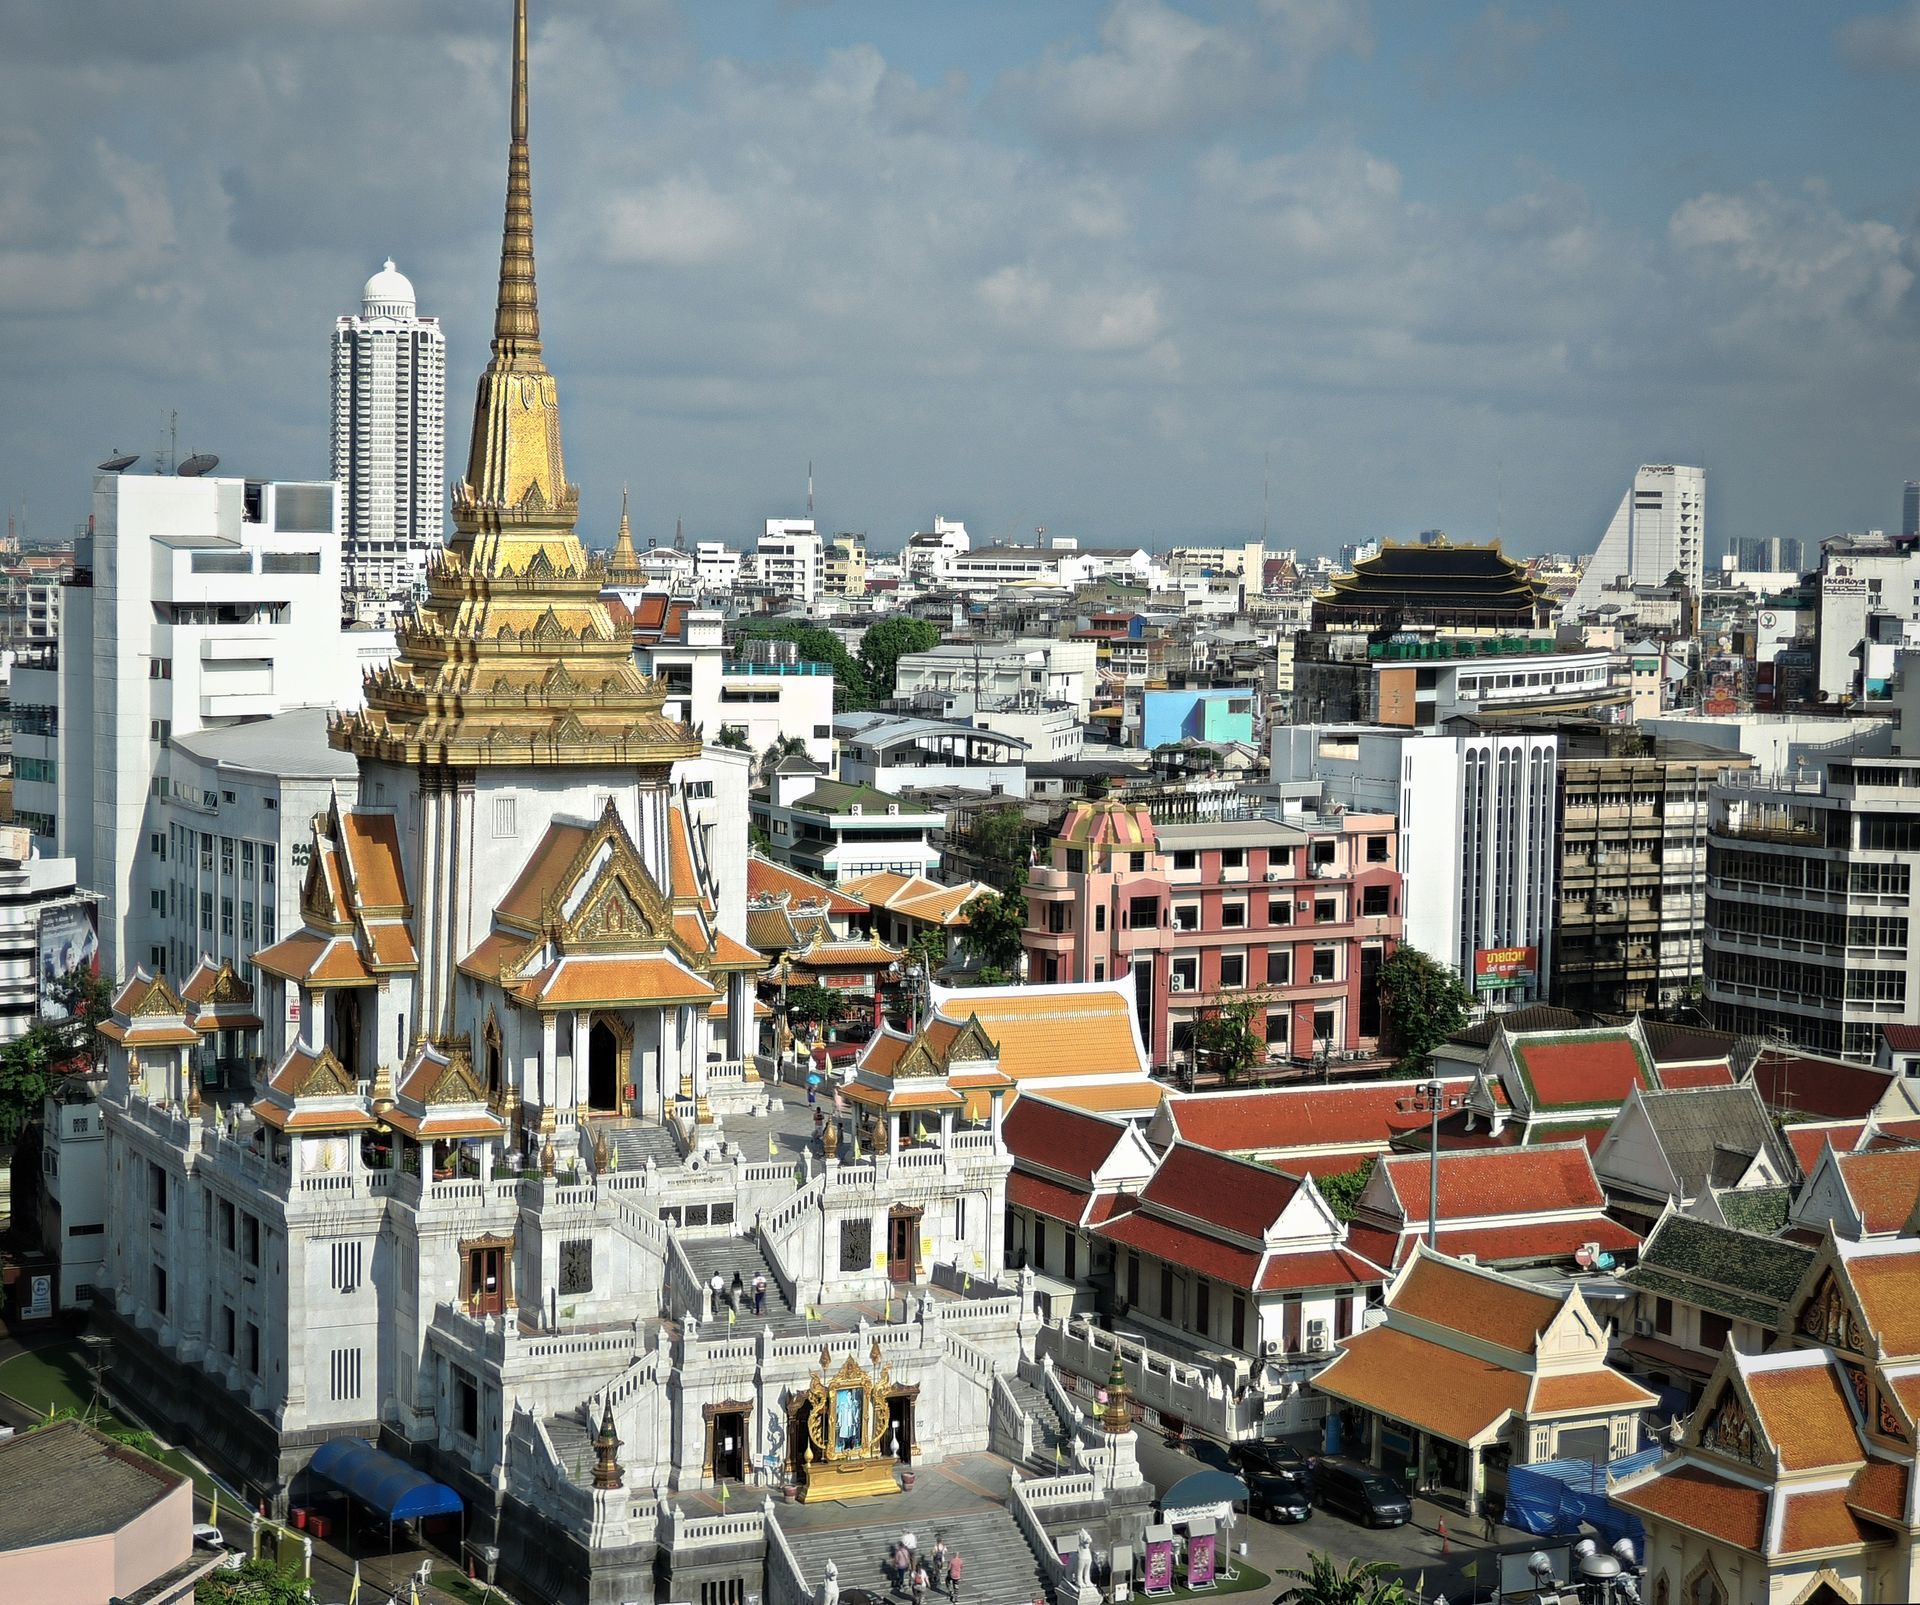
(1431, 1099)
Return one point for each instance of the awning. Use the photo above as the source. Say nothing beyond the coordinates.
(381, 1480)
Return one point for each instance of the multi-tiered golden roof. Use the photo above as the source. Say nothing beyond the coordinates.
(513, 657)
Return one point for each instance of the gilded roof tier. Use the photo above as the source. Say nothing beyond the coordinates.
(513, 658)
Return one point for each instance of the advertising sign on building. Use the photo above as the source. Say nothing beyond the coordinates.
(68, 941)
(1498, 969)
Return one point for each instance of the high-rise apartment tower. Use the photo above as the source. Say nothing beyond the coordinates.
(1658, 529)
(389, 447)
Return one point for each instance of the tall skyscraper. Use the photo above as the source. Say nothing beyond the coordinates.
(1658, 529)
(1910, 510)
(389, 447)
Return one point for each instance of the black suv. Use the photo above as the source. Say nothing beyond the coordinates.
(1271, 1497)
(1361, 1493)
(1279, 1461)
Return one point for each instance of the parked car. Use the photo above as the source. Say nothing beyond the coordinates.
(1277, 1498)
(1361, 1494)
(1263, 1458)
(207, 1536)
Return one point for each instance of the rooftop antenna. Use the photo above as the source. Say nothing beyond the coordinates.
(1499, 499)
(1266, 496)
(679, 537)
(809, 488)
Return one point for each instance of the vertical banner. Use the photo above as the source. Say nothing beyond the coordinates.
(1158, 1571)
(1200, 1560)
(67, 941)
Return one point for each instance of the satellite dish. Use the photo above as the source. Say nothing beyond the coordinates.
(116, 463)
(199, 463)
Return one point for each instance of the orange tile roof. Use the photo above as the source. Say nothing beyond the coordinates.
(1888, 1288)
(450, 1128)
(582, 981)
(1476, 1303)
(1884, 1185)
(272, 1114)
(906, 1095)
(392, 944)
(1880, 1486)
(150, 1033)
(1044, 1033)
(1581, 1070)
(1046, 1197)
(1818, 1519)
(729, 954)
(316, 959)
(1131, 1097)
(1358, 1116)
(1434, 1388)
(495, 949)
(1323, 1267)
(766, 878)
(1680, 1077)
(874, 888)
(1907, 1390)
(1808, 1141)
(556, 849)
(1232, 1194)
(1587, 1390)
(852, 953)
(1705, 1501)
(372, 843)
(681, 880)
(1493, 1245)
(1479, 1182)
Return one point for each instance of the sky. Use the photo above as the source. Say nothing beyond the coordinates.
(1157, 270)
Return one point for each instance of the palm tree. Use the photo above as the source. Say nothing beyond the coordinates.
(1364, 1582)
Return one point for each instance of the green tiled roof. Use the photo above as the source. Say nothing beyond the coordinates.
(840, 797)
(1741, 1275)
(1755, 1209)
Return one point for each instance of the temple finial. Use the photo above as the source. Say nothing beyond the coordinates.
(516, 316)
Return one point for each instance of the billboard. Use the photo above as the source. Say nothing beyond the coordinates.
(69, 940)
(1496, 969)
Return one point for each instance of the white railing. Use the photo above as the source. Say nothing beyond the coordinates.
(327, 1181)
(1069, 1488)
(1009, 1428)
(693, 1532)
(969, 1314)
(786, 1583)
(685, 1295)
(1037, 1536)
(971, 1359)
(768, 1172)
(1064, 1404)
(804, 1200)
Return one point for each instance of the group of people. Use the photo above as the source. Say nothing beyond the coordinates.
(734, 1297)
(939, 1570)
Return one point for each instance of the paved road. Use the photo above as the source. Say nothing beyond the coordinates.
(1417, 1549)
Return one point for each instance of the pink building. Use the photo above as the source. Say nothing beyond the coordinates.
(1293, 916)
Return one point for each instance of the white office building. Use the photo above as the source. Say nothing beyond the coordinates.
(1477, 846)
(929, 554)
(791, 560)
(716, 568)
(1658, 529)
(1038, 668)
(196, 604)
(389, 446)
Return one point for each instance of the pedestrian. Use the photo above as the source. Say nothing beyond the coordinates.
(919, 1585)
(902, 1561)
(737, 1294)
(954, 1565)
(718, 1287)
(759, 1293)
(937, 1564)
(1490, 1520)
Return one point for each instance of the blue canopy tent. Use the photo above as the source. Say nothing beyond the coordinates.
(1555, 1498)
(385, 1482)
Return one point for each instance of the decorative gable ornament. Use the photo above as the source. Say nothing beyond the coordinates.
(326, 1078)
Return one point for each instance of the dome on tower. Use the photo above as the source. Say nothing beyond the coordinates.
(389, 294)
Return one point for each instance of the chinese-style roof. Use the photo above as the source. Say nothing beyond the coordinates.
(850, 953)
(1108, 822)
(917, 897)
(1227, 1193)
(1692, 1496)
(1880, 1488)
(1884, 1185)
(1819, 1518)
(148, 1013)
(1698, 1129)
(1116, 1098)
(372, 845)
(1455, 1396)
(1474, 1302)
(1580, 1069)
(1682, 1046)
(553, 854)
(1496, 1244)
(1803, 1409)
(310, 1090)
(1808, 1141)
(1047, 1033)
(1761, 1210)
(1738, 1274)
(1533, 1017)
(1436, 583)
(1681, 1077)
(317, 959)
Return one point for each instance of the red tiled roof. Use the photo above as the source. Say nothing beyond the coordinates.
(1680, 1077)
(1884, 1186)
(1880, 1486)
(1477, 1303)
(1587, 1390)
(1478, 1183)
(1807, 1141)
(1705, 1501)
(1182, 1245)
(1325, 1267)
(1360, 1116)
(1229, 1193)
(1051, 1198)
(1902, 1038)
(1064, 1140)
(1819, 1519)
(1503, 1245)
(765, 878)
(1800, 1086)
(1586, 1069)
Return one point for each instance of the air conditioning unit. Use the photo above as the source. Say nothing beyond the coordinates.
(1270, 1348)
(1316, 1335)
(1304, 904)
(1642, 1326)
(1276, 874)
(1177, 983)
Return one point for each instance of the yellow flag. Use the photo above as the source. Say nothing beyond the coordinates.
(773, 1148)
(1058, 1458)
(723, 1492)
(353, 1594)
(414, 1590)
(213, 1515)
(733, 1316)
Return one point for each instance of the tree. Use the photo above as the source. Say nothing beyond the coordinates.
(255, 1582)
(33, 1062)
(814, 1004)
(1363, 1582)
(782, 747)
(1422, 1002)
(1225, 1041)
(996, 928)
(823, 646)
(885, 643)
(929, 948)
(1002, 840)
(1343, 1188)
(733, 737)
(759, 841)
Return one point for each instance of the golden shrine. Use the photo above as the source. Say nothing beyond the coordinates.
(847, 1422)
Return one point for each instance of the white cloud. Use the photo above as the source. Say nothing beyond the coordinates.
(1082, 318)
(679, 222)
(1886, 43)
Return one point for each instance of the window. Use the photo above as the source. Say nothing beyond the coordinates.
(206, 911)
(1279, 966)
(267, 924)
(246, 924)
(505, 819)
(160, 1289)
(1069, 1254)
(206, 853)
(229, 1331)
(467, 1398)
(1233, 858)
(160, 668)
(246, 861)
(1326, 910)
(1233, 916)
(1663, 1316)
(1280, 911)
(1323, 1025)
(1186, 916)
(1277, 1031)
(226, 916)
(250, 1237)
(1714, 1328)
(1166, 1292)
(1376, 901)
(1186, 973)
(1133, 1278)
(1233, 969)
(1203, 1307)
(162, 731)
(1100, 916)
(1376, 849)
(289, 562)
(157, 1189)
(44, 770)
(1143, 913)
(1185, 858)
(346, 1267)
(253, 1349)
(266, 860)
(345, 1374)
(226, 855)
(226, 1225)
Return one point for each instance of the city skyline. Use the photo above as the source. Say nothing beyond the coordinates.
(1094, 272)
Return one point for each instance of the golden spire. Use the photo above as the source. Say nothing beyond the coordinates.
(516, 314)
(623, 560)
